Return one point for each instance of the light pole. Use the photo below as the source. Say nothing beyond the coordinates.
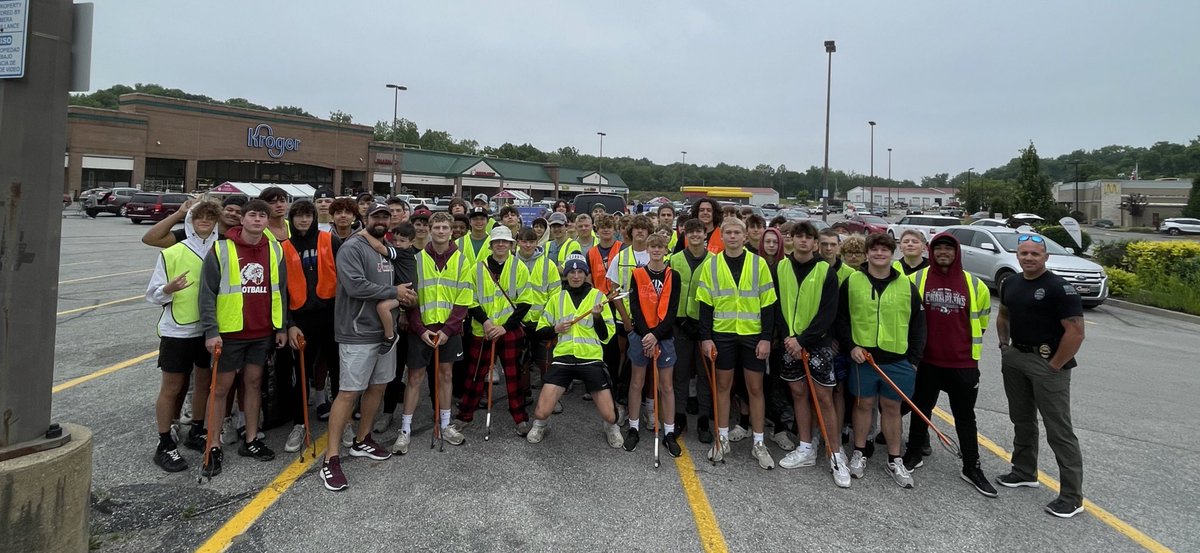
(395, 105)
(967, 194)
(1076, 164)
(889, 178)
(682, 168)
(600, 172)
(830, 48)
(872, 203)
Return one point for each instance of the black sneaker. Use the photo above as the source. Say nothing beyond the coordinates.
(869, 450)
(213, 467)
(170, 460)
(974, 476)
(257, 450)
(912, 461)
(323, 411)
(672, 443)
(926, 450)
(388, 344)
(702, 431)
(1062, 508)
(693, 405)
(632, 439)
(195, 439)
(1011, 480)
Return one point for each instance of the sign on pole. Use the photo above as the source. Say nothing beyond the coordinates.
(14, 18)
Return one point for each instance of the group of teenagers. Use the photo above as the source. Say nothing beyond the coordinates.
(819, 334)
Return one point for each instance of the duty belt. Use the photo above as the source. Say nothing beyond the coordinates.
(1043, 350)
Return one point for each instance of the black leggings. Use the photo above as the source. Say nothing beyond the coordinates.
(962, 387)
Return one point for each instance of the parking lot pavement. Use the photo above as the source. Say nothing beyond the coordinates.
(1133, 412)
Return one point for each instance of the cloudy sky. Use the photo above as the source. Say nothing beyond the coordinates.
(951, 84)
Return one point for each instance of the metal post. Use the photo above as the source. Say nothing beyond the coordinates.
(395, 112)
(967, 195)
(1076, 164)
(600, 171)
(682, 168)
(830, 48)
(872, 203)
(889, 178)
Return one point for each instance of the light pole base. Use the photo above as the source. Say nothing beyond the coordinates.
(45, 496)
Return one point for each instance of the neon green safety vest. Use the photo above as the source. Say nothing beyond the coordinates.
(439, 291)
(688, 306)
(800, 300)
(844, 271)
(229, 295)
(466, 247)
(544, 282)
(626, 263)
(673, 241)
(979, 306)
(185, 304)
(737, 307)
(491, 296)
(879, 321)
(569, 246)
(581, 340)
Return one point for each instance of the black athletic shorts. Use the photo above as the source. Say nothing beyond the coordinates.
(179, 355)
(820, 364)
(737, 352)
(594, 375)
(236, 354)
(420, 355)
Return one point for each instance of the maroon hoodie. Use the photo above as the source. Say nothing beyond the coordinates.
(947, 312)
(256, 288)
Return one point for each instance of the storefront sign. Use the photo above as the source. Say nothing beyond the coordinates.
(14, 18)
(263, 137)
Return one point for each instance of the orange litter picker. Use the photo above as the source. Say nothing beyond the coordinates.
(948, 443)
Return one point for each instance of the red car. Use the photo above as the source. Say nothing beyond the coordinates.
(867, 224)
(153, 206)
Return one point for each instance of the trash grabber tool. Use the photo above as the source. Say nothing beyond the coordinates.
(654, 391)
(948, 443)
(607, 300)
(304, 398)
(487, 433)
(437, 392)
(710, 364)
(210, 413)
(812, 392)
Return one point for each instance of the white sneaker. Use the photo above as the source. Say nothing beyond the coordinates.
(382, 422)
(799, 457)
(737, 433)
(784, 441)
(615, 439)
(185, 414)
(760, 452)
(841, 474)
(453, 435)
(536, 433)
(719, 449)
(295, 439)
(858, 464)
(900, 474)
(228, 431)
(401, 445)
(348, 435)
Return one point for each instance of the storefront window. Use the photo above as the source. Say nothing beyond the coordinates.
(219, 171)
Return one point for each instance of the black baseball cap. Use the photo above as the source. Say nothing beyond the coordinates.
(479, 211)
(323, 193)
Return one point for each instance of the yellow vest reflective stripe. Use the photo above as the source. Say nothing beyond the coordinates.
(581, 340)
(626, 263)
(737, 307)
(879, 321)
(688, 306)
(439, 291)
(979, 306)
(544, 282)
(800, 300)
(467, 248)
(568, 247)
(229, 294)
(514, 277)
(185, 304)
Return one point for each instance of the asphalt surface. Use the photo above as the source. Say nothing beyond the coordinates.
(1134, 411)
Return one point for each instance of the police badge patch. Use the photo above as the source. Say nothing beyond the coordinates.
(1039, 294)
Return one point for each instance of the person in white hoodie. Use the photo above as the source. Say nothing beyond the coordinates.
(181, 345)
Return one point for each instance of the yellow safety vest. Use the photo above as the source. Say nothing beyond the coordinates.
(491, 296)
(844, 271)
(879, 321)
(466, 247)
(544, 282)
(688, 306)
(439, 291)
(737, 307)
(185, 304)
(626, 263)
(569, 246)
(229, 295)
(800, 300)
(581, 340)
(980, 306)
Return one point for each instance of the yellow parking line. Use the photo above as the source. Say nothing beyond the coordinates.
(98, 305)
(711, 537)
(224, 536)
(1106, 517)
(106, 370)
(98, 277)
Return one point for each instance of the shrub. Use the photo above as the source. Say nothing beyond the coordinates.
(1170, 293)
(1060, 235)
(1160, 259)
(1122, 282)
(1113, 254)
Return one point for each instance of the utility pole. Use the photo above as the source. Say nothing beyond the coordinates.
(600, 171)
(871, 205)
(682, 168)
(395, 106)
(830, 48)
(889, 178)
(1075, 162)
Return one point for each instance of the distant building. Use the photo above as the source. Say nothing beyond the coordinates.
(923, 197)
(738, 194)
(1102, 199)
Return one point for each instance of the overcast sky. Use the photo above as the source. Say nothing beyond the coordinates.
(951, 84)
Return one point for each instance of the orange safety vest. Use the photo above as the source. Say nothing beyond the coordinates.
(297, 285)
(715, 244)
(654, 304)
(599, 266)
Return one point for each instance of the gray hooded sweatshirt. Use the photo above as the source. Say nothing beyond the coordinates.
(364, 278)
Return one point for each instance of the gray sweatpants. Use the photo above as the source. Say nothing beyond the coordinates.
(1033, 387)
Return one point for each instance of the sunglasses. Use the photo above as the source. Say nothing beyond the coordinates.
(1026, 237)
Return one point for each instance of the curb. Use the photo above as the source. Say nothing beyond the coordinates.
(1166, 313)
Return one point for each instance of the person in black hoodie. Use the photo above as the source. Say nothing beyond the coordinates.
(912, 250)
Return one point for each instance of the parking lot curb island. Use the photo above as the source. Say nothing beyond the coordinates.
(44, 497)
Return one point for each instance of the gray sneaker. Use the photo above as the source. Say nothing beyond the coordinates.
(841, 474)
(453, 435)
(719, 449)
(523, 428)
(760, 452)
(382, 422)
(900, 474)
(401, 445)
(295, 439)
(536, 433)
(799, 457)
(858, 464)
(615, 439)
(784, 441)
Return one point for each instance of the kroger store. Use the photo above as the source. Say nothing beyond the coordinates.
(158, 143)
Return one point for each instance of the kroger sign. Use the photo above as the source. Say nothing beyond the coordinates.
(263, 137)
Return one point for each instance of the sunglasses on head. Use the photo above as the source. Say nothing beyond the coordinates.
(1034, 237)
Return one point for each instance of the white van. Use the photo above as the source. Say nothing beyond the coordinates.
(928, 225)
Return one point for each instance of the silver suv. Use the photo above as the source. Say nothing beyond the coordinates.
(990, 254)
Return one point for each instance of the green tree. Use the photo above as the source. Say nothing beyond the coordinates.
(403, 131)
(339, 116)
(1033, 188)
(292, 110)
(1193, 204)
